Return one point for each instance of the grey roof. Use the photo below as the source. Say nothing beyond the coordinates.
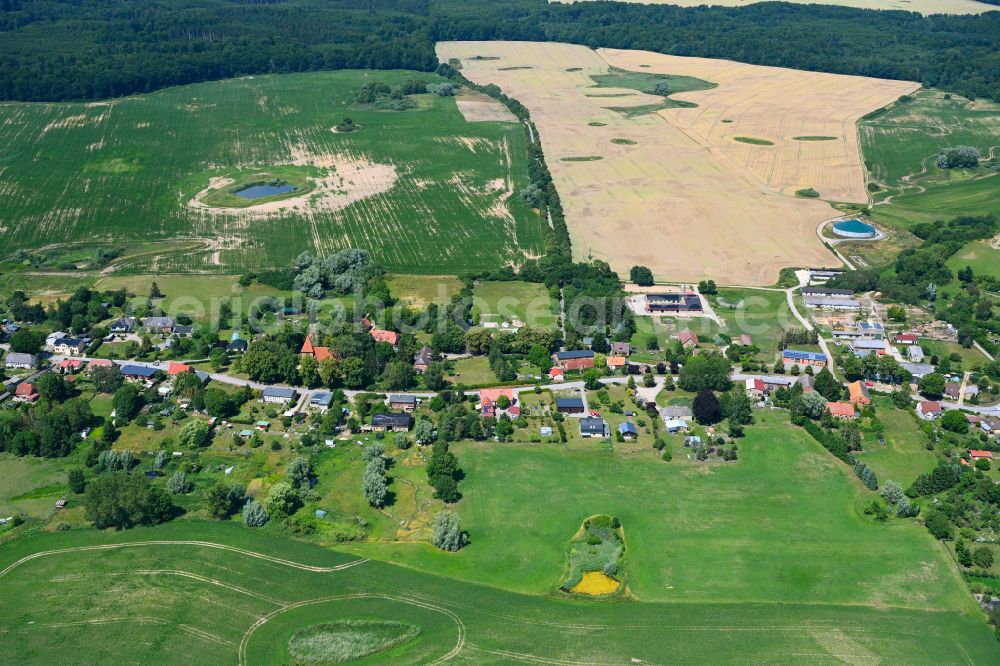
(676, 412)
(821, 302)
(778, 379)
(568, 355)
(592, 425)
(868, 344)
(238, 344)
(158, 322)
(403, 399)
(138, 370)
(202, 376)
(17, 358)
(918, 369)
(183, 330)
(827, 291)
(322, 399)
(627, 428)
(278, 392)
(569, 403)
(392, 420)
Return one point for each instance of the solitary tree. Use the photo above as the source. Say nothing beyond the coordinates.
(254, 514)
(77, 482)
(706, 408)
(178, 484)
(448, 533)
(154, 291)
(195, 434)
(374, 485)
(641, 275)
(662, 88)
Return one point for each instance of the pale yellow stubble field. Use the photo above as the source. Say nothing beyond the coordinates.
(924, 7)
(667, 202)
(777, 105)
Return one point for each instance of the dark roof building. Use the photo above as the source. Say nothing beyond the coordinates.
(686, 302)
(572, 405)
(592, 426)
(391, 421)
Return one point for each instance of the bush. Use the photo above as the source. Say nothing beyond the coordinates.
(447, 534)
(123, 500)
(958, 157)
(254, 514)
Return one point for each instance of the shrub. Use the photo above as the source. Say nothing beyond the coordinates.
(254, 514)
(447, 532)
(958, 157)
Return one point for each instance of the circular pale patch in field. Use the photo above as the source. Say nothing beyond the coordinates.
(341, 628)
(595, 583)
(347, 640)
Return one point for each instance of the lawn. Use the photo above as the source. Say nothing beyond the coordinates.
(30, 485)
(197, 296)
(161, 604)
(983, 259)
(971, 358)
(506, 301)
(423, 190)
(780, 525)
(900, 145)
(763, 315)
(905, 455)
(472, 371)
(421, 290)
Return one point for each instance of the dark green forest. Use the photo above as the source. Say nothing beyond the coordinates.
(88, 49)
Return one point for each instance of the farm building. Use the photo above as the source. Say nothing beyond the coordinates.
(423, 360)
(794, 357)
(841, 410)
(808, 383)
(823, 274)
(827, 292)
(594, 426)
(859, 393)
(677, 303)
(928, 409)
(915, 353)
(825, 303)
(574, 360)
(569, 405)
(866, 347)
(688, 338)
(277, 395)
(775, 382)
(20, 361)
(53, 338)
(391, 421)
(628, 430)
(406, 403)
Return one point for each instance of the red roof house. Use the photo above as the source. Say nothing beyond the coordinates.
(100, 363)
(929, 409)
(318, 353)
(841, 410)
(977, 454)
(70, 365)
(25, 392)
(688, 338)
(177, 368)
(380, 335)
(906, 339)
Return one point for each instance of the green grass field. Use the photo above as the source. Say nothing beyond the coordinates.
(763, 315)
(124, 171)
(900, 145)
(905, 455)
(163, 603)
(780, 525)
(505, 301)
(983, 259)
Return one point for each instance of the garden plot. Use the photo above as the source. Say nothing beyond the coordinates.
(655, 195)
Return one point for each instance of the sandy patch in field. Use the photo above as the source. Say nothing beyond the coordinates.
(595, 583)
(668, 202)
(776, 105)
(925, 7)
(478, 111)
(349, 179)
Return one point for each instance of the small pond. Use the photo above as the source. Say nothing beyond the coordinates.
(264, 190)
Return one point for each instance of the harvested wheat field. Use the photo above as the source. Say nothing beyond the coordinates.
(810, 118)
(925, 7)
(656, 196)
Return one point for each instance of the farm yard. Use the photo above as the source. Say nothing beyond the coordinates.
(901, 144)
(809, 117)
(423, 189)
(201, 587)
(606, 149)
(922, 6)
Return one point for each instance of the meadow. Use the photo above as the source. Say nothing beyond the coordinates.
(423, 189)
(900, 145)
(905, 455)
(782, 524)
(231, 595)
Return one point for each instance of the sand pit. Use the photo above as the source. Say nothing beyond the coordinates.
(661, 198)
(348, 179)
(790, 129)
(924, 7)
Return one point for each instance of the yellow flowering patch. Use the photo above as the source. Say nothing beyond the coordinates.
(595, 583)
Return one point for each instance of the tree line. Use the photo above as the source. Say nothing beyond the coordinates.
(53, 50)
